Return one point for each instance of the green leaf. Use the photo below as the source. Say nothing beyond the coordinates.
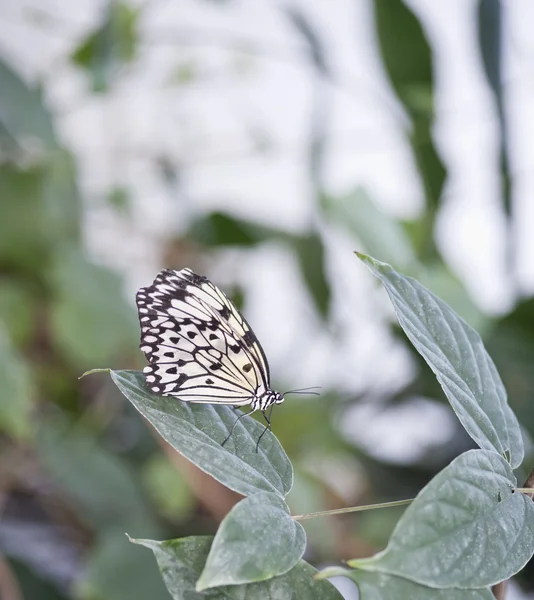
(111, 46)
(117, 570)
(380, 586)
(16, 390)
(490, 39)
(455, 353)
(17, 308)
(181, 562)
(197, 430)
(380, 234)
(257, 540)
(408, 62)
(220, 229)
(91, 320)
(466, 528)
(310, 254)
(40, 206)
(100, 484)
(404, 48)
(23, 115)
(168, 490)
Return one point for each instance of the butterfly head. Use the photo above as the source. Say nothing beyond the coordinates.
(267, 399)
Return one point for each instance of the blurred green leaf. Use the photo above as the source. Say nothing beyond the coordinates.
(408, 62)
(380, 234)
(17, 310)
(220, 229)
(35, 585)
(404, 47)
(490, 41)
(167, 488)
(61, 198)
(23, 115)
(100, 484)
(16, 390)
(256, 541)
(197, 430)
(511, 344)
(91, 320)
(455, 353)
(111, 46)
(119, 199)
(40, 209)
(380, 586)
(117, 570)
(185, 72)
(447, 536)
(24, 227)
(310, 254)
(181, 562)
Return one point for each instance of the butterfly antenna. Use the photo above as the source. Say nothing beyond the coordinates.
(304, 391)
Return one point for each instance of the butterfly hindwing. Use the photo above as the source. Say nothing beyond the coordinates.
(199, 347)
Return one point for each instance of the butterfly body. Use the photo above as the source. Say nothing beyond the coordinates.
(198, 345)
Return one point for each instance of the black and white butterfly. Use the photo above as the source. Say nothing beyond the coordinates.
(199, 346)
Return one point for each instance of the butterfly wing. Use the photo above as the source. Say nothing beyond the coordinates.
(200, 348)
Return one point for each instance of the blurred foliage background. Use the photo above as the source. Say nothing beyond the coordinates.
(221, 136)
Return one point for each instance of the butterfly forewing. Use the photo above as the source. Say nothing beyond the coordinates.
(200, 348)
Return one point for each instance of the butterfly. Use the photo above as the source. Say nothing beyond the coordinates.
(200, 348)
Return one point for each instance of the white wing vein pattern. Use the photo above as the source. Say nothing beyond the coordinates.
(199, 347)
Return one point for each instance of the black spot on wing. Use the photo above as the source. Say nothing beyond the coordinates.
(247, 367)
(225, 312)
(249, 338)
(181, 380)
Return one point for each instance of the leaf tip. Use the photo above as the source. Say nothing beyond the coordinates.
(202, 585)
(91, 371)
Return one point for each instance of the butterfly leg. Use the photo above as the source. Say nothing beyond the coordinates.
(268, 426)
(233, 426)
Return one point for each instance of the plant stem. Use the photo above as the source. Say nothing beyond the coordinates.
(351, 509)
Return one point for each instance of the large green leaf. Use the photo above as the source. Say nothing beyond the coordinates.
(23, 115)
(257, 540)
(16, 390)
(456, 354)
(181, 562)
(380, 586)
(197, 430)
(467, 528)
